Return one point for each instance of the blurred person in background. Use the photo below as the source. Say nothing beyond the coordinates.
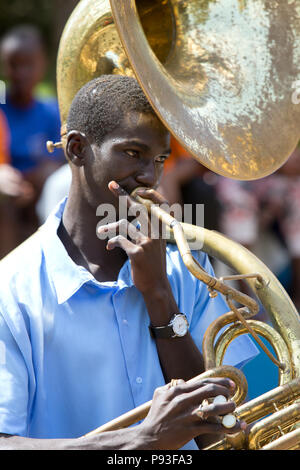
(31, 123)
(264, 216)
(11, 185)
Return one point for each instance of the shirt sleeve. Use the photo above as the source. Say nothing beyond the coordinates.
(14, 384)
(206, 310)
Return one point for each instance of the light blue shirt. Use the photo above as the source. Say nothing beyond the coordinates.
(76, 353)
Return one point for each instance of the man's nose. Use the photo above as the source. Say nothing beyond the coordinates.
(148, 175)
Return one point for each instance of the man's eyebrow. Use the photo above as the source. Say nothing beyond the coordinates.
(143, 146)
(137, 143)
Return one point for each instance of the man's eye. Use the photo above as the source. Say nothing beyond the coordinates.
(161, 159)
(132, 153)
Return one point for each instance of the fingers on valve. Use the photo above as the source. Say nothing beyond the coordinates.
(222, 410)
(207, 409)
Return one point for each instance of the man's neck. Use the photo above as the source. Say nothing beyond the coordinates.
(78, 234)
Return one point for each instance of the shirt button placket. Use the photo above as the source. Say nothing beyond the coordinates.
(124, 324)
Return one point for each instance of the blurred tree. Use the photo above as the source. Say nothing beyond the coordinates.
(49, 16)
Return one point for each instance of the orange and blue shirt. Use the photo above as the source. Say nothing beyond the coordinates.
(4, 140)
(30, 128)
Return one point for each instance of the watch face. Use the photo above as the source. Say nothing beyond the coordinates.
(180, 325)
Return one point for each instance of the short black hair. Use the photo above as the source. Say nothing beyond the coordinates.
(24, 34)
(101, 105)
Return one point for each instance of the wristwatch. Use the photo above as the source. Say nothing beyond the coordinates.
(177, 327)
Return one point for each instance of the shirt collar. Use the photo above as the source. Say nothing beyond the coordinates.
(68, 277)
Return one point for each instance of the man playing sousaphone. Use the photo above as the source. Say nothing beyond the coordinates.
(93, 326)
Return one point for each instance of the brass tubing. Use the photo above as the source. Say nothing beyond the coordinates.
(208, 349)
(225, 444)
(290, 441)
(264, 404)
(275, 300)
(235, 441)
(267, 332)
(252, 331)
(267, 427)
(240, 277)
(258, 408)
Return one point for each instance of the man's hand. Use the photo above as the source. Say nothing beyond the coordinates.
(147, 255)
(173, 420)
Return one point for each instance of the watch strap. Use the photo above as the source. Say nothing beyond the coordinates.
(161, 331)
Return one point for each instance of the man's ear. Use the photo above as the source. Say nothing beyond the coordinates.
(75, 148)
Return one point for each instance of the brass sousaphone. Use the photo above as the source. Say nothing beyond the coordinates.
(222, 76)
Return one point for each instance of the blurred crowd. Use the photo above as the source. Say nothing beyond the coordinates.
(26, 124)
(263, 215)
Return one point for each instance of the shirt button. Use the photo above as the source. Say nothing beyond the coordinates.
(139, 380)
(125, 322)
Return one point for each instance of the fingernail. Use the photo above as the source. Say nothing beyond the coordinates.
(232, 384)
(114, 185)
(243, 425)
(102, 228)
